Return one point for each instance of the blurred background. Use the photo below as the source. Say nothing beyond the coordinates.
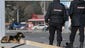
(27, 15)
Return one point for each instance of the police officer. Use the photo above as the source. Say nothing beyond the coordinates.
(77, 15)
(55, 17)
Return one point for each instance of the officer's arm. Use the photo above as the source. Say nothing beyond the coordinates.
(71, 10)
(48, 14)
(65, 14)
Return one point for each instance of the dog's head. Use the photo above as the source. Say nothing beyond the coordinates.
(21, 35)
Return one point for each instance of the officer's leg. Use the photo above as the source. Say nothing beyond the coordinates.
(72, 35)
(59, 34)
(51, 34)
(81, 29)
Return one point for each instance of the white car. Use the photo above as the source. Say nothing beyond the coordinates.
(40, 26)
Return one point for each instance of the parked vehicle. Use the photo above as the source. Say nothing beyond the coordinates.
(39, 26)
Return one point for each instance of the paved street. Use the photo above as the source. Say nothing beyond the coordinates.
(42, 37)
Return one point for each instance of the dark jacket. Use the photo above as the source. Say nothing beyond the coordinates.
(76, 14)
(56, 13)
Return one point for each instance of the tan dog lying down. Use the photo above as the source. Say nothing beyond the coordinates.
(13, 39)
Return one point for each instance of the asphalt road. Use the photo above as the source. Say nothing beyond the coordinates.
(42, 37)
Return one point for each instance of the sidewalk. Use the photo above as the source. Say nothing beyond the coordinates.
(28, 44)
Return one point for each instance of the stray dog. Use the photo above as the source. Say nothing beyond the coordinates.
(13, 39)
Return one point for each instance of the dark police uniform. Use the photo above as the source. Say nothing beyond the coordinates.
(56, 16)
(77, 14)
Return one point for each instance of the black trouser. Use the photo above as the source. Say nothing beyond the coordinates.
(52, 29)
(73, 33)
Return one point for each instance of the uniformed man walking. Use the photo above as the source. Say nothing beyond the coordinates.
(56, 17)
(77, 14)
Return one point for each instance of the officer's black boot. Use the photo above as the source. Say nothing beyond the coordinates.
(50, 43)
(59, 44)
(81, 45)
(69, 45)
